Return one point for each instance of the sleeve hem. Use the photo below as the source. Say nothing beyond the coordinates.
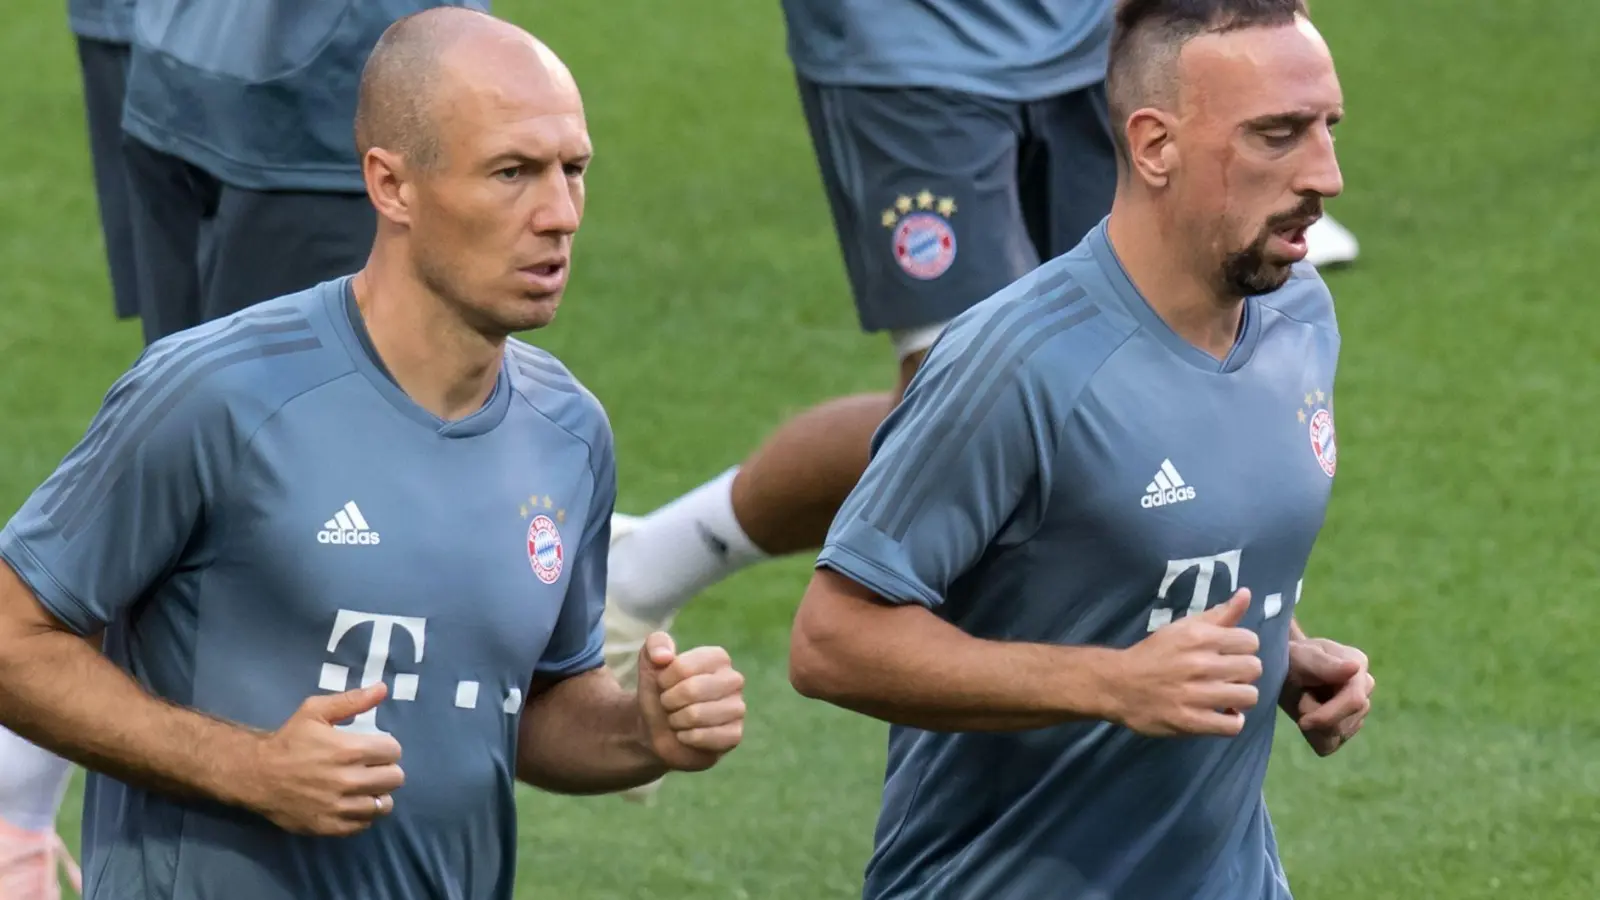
(887, 584)
(51, 593)
(590, 657)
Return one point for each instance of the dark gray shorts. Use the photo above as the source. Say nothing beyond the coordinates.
(104, 68)
(941, 198)
(207, 249)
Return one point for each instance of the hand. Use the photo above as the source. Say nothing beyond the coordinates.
(693, 704)
(1194, 676)
(312, 778)
(1327, 692)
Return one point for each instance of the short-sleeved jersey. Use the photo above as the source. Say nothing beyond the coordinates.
(102, 20)
(1018, 50)
(259, 514)
(1066, 469)
(261, 94)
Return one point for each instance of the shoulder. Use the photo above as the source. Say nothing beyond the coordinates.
(1053, 328)
(1304, 299)
(239, 369)
(547, 385)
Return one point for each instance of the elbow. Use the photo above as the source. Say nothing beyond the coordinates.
(813, 664)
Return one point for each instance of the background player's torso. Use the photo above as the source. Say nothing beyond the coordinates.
(1177, 480)
(259, 94)
(1010, 49)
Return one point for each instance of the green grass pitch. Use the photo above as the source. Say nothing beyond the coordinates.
(709, 302)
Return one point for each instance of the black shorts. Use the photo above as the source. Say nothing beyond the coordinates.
(941, 198)
(104, 68)
(207, 249)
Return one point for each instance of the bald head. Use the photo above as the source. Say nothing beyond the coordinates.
(1149, 37)
(421, 60)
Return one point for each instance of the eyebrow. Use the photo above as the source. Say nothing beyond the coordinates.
(521, 158)
(1296, 119)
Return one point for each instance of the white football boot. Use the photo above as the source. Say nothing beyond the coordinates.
(1330, 244)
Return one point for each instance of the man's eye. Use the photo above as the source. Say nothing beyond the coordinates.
(509, 173)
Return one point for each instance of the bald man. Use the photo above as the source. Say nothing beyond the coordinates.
(349, 547)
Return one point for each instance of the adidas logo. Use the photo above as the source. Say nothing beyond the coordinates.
(1167, 488)
(347, 526)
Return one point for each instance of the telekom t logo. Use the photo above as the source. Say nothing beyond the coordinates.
(1200, 599)
(336, 678)
(1205, 569)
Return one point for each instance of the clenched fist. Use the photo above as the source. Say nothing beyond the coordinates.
(1327, 693)
(692, 703)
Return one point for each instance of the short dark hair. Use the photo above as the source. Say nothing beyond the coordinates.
(1149, 34)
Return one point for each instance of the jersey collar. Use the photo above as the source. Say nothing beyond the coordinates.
(347, 321)
(1110, 266)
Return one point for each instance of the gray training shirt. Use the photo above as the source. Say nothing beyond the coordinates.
(260, 515)
(260, 94)
(1018, 50)
(1066, 469)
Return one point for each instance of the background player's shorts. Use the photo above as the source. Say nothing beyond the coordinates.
(208, 249)
(104, 67)
(941, 198)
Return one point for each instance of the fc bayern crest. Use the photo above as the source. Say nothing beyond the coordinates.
(544, 549)
(1323, 441)
(924, 245)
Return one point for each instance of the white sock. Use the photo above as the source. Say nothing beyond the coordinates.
(32, 782)
(678, 551)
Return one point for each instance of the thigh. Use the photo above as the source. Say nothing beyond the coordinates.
(168, 201)
(266, 244)
(1073, 171)
(922, 187)
(104, 67)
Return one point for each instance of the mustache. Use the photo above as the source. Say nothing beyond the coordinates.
(1309, 210)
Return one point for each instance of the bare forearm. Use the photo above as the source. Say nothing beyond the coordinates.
(584, 735)
(990, 686)
(64, 695)
(910, 668)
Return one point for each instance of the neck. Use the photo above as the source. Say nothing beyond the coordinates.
(1147, 243)
(444, 365)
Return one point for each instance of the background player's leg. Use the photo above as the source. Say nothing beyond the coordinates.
(921, 184)
(270, 243)
(169, 201)
(1075, 179)
(32, 783)
(104, 67)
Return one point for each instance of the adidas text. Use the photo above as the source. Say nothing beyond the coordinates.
(350, 536)
(1170, 495)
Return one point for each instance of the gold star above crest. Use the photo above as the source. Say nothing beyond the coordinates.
(524, 510)
(1308, 399)
(1321, 396)
(889, 218)
(547, 501)
(1301, 415)
(561, 516)
(903, 203)
(925, 200)
(947, 206)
